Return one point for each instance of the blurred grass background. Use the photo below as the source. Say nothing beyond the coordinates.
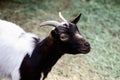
(99, 24)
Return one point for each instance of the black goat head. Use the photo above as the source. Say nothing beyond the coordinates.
(67, 36)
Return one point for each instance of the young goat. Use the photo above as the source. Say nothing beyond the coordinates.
(24, 57)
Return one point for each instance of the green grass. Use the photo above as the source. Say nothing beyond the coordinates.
(99, 24)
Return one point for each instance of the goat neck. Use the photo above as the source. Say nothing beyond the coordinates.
(44, 56)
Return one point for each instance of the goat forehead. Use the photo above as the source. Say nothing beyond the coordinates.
(73, 28)
(69, 29)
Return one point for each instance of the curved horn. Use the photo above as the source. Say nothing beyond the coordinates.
(60, 15)
(50, 23)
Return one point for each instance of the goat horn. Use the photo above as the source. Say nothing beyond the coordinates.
(60, 15)
(50, 23)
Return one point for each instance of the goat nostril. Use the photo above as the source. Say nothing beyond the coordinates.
(86, 44)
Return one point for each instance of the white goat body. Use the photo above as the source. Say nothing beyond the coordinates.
(15, 43)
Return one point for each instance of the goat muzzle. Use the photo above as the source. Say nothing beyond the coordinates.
(85, 48)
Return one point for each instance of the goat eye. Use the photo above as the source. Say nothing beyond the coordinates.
(64, 37)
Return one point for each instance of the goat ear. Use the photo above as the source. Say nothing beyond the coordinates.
(76, 19)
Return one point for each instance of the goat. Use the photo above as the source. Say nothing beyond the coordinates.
(23, 56)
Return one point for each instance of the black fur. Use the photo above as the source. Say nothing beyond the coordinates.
(48, 51)
(44, 57)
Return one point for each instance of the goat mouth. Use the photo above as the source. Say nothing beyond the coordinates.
(84, 51)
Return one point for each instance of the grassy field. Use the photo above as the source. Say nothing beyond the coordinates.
(99, 24)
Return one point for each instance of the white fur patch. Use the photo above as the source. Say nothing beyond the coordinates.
(15, 43)
(42, 76)
(78, 35)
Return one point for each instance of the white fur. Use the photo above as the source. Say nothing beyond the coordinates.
(42, 75)
(78, 35)
(15, 43)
